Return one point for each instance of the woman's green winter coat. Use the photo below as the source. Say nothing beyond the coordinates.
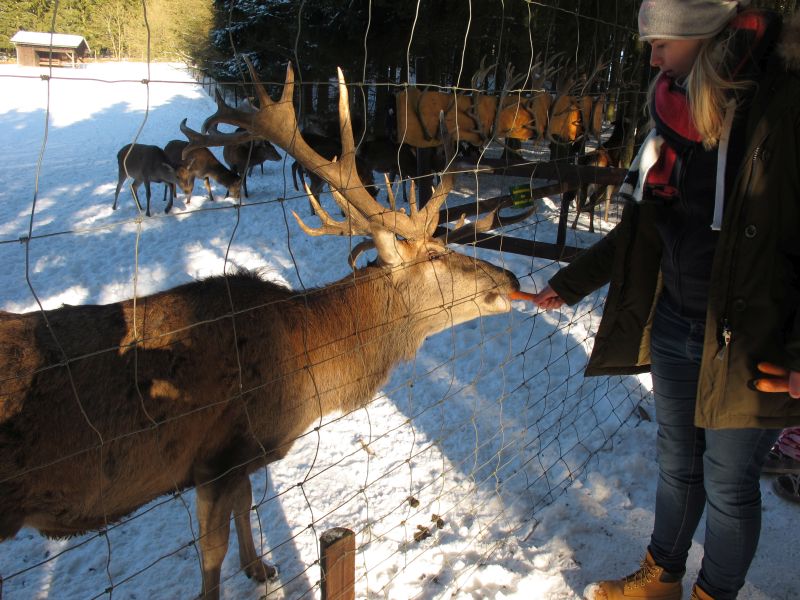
(755, 278)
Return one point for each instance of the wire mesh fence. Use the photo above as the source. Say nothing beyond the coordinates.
(116, 428)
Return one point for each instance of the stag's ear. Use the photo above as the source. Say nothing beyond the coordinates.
(390, 249)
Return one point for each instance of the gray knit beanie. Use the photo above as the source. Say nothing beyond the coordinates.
(685, 19)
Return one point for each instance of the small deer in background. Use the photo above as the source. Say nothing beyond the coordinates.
(200, 163)
(105, 408)
(385, 156)
(589, 195)
(330, 148)
(144, 164)
(243, 158)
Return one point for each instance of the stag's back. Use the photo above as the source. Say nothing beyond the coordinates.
(118, 424)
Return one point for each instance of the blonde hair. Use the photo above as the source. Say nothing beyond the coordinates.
(708, 88)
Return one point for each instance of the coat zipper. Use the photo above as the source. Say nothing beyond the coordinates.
(727, 333)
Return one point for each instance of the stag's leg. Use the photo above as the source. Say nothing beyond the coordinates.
(188, 198)
(249, 559)
(120, 181)
(568, 197)
(172, 192)
(214, 506)
(135, 186)
(295, 172)
(208, 188)
(584, 202)
(594, 199)
(315, 185)
(147, 193)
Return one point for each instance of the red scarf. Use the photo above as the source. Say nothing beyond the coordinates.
(670, 107)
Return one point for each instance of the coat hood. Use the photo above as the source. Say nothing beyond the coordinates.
(789, 44)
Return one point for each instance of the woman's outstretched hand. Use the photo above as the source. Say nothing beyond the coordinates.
(548, 299)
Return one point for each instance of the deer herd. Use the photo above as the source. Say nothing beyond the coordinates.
(175, 168)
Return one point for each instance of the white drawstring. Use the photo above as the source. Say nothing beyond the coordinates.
(722, 161)
(643, 162)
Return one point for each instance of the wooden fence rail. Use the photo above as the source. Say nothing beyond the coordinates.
(568, 178)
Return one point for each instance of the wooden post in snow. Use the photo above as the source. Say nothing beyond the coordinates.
(338, 564)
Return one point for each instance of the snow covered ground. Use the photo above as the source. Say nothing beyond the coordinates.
(531, 481)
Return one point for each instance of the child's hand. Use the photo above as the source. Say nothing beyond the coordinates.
(782, 380)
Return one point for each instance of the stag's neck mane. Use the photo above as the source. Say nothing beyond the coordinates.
(369, 305)
(346, 336)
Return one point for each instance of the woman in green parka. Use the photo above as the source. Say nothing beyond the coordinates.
(704, 274)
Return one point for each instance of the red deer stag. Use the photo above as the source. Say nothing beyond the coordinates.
(200, 163)
(144, 163)
(105, 408)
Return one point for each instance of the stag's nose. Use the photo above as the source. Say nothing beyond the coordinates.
(513, 282)
(516, 293)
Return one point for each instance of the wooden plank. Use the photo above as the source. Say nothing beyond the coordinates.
(473, 209)
(553, 170)
(524, 247)
(558, 251)
(338, 564)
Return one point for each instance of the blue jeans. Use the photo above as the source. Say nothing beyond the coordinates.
(713, 469)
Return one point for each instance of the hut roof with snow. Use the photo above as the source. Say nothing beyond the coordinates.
(35, 48)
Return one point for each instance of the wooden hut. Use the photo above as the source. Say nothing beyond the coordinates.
(35, 48)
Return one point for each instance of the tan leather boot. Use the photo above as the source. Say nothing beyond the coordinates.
(699, 594)
(650, 582)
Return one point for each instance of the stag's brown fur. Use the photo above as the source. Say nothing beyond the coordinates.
(169, 410)
(202, 384)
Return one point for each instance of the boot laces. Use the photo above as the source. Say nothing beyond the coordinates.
(644, 576)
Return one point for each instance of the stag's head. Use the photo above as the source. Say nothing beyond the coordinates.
(234, 188)
(185, 179)
(441, 287)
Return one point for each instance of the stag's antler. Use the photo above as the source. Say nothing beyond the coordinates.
(214, 138)
(540, 72)
(276, 121)
(601, 65)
